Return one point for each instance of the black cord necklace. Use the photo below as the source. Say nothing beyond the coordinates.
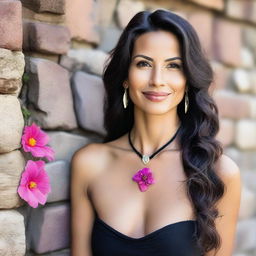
(145, 158)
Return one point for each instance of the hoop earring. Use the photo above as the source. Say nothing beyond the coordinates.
(125, 98)
(186, 101)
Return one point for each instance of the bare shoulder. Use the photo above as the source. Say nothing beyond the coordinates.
(86, 160)
(227, 169)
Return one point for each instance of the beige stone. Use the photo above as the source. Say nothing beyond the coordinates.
(12, 233)
(126, 9)
(10, 86)
(215, 4)
(246, 134)
(12, 123)
(11, 64)
(11, 167)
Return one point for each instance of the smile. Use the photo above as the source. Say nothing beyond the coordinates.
(156, 96)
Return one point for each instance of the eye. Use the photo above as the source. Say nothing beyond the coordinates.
(143, 64)
(174, 65)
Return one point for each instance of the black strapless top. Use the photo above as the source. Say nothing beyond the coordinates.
(176, 239)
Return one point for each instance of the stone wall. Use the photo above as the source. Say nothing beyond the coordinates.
(65, 44)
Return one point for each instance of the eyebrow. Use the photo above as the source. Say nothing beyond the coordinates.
(150, 59)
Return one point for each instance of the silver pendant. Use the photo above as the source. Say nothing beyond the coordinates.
(145, 159)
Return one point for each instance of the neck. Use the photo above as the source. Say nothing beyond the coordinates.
(150, 132)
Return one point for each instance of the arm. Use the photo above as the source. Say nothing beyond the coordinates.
(82, 215)
(228, 205)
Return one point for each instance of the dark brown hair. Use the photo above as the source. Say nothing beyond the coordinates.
(199, 126)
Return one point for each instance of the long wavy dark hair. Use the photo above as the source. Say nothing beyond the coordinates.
(199, 126)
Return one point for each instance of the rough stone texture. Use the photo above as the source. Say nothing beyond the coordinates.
(126, 9)
(226, 34)
(241, 80)
(65, 144)
(48, 228)
(245, 10)
(12, 235)
(92, 59)
(59, 173)
(11, 64)
(12, 123)
(53, 109)
(10, 25)
(82, 20)
(248, 203)
(54, 6)
(89, 98)
(228, 101)
(226, 133)
(46, 38)
(70, 64)
(11, 167)
(202, 21)
(47, 17)
(246, 134)
(246, 235)
(215, 4)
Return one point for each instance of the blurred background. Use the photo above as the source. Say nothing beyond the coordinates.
(51, 58)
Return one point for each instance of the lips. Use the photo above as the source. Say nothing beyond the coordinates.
(156, 96)
(156, 93)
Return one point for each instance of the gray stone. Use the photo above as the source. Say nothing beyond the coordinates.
(59, 174)
(92, 59)
(65, 144)
(249, 178)
(245, 159)
(89, 99)
(11, 166)
(12, 234)
(109, 37)
(247, 57)
(246, 235)
(50, 108)
(248, 203)
(49, 227)
(12, 123)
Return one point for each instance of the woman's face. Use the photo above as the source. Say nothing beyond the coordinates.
(156, 82)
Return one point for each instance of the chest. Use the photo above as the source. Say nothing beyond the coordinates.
(117, 198)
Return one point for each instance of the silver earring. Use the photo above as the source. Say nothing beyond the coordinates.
(186, 102)
(125, 98)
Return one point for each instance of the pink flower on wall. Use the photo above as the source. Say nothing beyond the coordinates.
(34, 140)
(144, 178)
(34, 185)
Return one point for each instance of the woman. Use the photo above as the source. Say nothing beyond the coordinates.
(159, 184)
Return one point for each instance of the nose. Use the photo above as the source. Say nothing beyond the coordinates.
(156, 78)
